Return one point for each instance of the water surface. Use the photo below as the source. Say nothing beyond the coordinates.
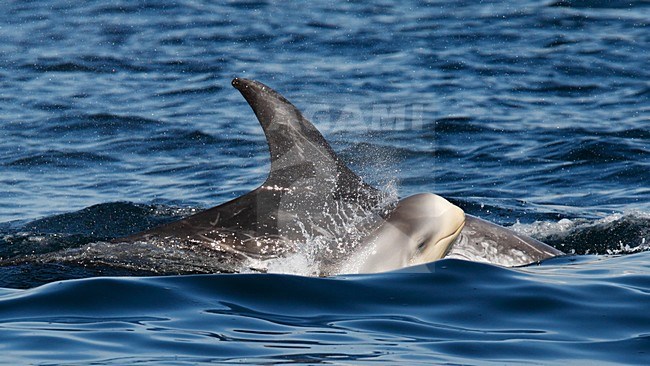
(117, 116)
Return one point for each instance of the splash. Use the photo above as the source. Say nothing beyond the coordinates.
(344, 233)
(618, 233)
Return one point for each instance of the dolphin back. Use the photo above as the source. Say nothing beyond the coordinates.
(483, 241)
(308, 191)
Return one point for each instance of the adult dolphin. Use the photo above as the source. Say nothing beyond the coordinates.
(310, 194)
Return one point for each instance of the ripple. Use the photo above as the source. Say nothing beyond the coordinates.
(561, 89)
(60, 159)
(100, 122)
(193, 91)
(598, 4)
(86, 64)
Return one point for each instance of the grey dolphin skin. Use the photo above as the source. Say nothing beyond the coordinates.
(483, 241)
(310, 194)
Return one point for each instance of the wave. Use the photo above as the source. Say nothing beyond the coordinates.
(620, 233)
(450, 311)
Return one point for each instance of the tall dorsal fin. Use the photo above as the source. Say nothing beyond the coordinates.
(308, 186)
(283, 124)
(298, 150)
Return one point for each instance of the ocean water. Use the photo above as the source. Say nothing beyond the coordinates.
(117, 116)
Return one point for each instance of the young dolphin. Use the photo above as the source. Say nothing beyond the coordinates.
(310, 194)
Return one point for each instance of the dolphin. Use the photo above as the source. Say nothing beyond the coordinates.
(310, 195)
(483, 241)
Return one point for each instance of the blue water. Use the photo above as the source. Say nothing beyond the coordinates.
(118, 115)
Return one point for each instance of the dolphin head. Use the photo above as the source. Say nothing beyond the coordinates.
(420, 229)
(430, 222)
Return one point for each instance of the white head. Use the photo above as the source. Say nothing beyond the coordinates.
(420, 229)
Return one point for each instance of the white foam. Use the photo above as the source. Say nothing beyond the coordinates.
(565, 227)
(545, 228)
(339, 240)
(296, 264)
